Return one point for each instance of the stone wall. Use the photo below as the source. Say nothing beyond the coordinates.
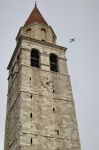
(40, 107)
(39, 32)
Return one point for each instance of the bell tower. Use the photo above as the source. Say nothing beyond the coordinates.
(40, 107)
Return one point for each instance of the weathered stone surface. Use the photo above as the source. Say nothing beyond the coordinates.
(40, 107)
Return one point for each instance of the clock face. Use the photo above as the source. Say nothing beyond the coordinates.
(47, 84)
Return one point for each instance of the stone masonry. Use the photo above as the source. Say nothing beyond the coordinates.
(40, 106)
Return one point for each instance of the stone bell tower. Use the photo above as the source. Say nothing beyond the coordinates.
(40, 105)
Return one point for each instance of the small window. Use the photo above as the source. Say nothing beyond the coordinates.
(35, 58)
(30, 115)
(53, 91)
(30, 80)
(57, 132)
(53, 109)
(53, 62)
(28, 31)
(43, 34)
(31, 141)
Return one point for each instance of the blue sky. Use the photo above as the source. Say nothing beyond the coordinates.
(69, 18)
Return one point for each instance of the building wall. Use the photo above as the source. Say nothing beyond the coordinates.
(53, 124)
(39, 32)
(12, 128)
(45, 121)
(40, 109)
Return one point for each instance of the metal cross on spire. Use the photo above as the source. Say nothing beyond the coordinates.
(35, 2)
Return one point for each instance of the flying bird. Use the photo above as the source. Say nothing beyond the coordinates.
(72, 40)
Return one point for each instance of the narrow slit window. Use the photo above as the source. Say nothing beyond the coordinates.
(53, 91)
(53, 62)
(30, 80)
(43, 34)
(53, 109)
(57, 132)
(35, 56)
(30, 115)
(31, 141)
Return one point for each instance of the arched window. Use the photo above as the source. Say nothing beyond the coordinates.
(53, 62)
(35, 56)
(28, 32)
(43, 34)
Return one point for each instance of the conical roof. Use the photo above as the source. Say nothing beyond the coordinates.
(35, 16)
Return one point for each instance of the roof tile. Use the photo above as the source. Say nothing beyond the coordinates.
(35, 16)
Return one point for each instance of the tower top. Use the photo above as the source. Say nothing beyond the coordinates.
(35, 16)
(35, 2)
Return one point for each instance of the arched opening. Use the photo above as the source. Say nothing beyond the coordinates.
(28, 32)
(54, 62)
(43, 34)
(35, 58)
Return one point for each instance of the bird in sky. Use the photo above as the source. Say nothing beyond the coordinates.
(72, 40)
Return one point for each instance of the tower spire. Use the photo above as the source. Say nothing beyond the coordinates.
(35, 16)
